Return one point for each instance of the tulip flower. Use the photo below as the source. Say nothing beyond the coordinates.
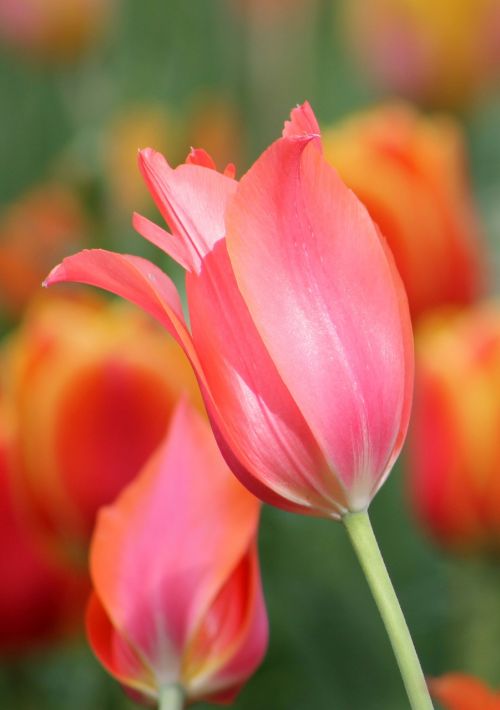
(92, 387)
(421, 199)
(45, 224)
(456, 691)
(53, 30)
(443, 53)
(454, 449)
(177, 610)
(39, 600)
(300, 332)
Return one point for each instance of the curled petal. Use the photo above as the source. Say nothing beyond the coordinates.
(192, 200)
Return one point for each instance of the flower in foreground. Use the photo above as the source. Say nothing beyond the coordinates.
(456, 691)
(91, 387)
(177, 595)
(420, 199)
(454, 451)
(300, 333)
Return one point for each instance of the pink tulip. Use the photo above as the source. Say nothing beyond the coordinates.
(177, 593)
(300, 332)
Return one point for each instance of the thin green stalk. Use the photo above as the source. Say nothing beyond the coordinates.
(171, 698)
(361, 534)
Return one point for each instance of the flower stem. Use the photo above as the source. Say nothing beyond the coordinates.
(363, 540)
(171, 697)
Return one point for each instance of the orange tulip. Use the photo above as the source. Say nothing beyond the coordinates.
(45, 224)
(454, 444)
(443, 53)
(456, 691)
(92, 386)
(39, 600)
(178, 599)
(54, 30)
(410, 173)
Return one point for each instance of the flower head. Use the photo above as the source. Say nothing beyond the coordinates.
(299, 326)
(454, 451)
(456, 691)
(177, 593)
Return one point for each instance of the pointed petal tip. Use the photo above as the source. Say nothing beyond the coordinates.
(199, 156)
(302, 124)
(56, 275)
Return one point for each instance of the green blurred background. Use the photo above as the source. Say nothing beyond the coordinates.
(328, 648)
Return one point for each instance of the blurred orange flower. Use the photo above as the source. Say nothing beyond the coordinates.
(454, 444)
(178, 598)
(442, 53)
(54, 30)
(410, 172)
(456, 691)
(39, 600)
(213, 122)
(92, 386)
(44, 225)
(128, 131)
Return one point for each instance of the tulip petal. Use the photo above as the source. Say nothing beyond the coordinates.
(133, 278)
(273, 451)
(161, 239)
(116, 655)
(322, 294)
(302, 124)
(156, 590)
(192, 199)
(230, 642)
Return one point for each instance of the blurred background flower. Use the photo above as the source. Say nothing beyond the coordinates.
(53, 30)
(410, 171)
(441, 53)
(40, 600)
(45, 223)
(91, 387)
(455, 449)
(456, 691)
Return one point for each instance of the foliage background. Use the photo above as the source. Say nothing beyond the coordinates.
(328, 648)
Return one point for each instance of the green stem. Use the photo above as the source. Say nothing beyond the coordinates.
(361, 534)
(171, 697)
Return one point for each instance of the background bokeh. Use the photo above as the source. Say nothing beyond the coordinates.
(224, 75)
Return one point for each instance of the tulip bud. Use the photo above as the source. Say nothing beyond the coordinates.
(442, 53)
(456, 691)
(454, 446)
(420, 199)
(177, 594)
(92, 386)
